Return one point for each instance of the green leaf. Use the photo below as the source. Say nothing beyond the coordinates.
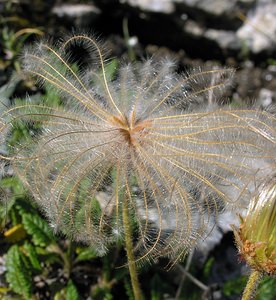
(30, 251)
(111, 69)
(25, 207)
(39, 230)
(60, 295)
(82, 212)
(266, 289)
(18, 275)
(85, 254)
(15, 189)
(47, 256)
(51, 97)
(20, 132)
(159, 287)
(15, 184)
(71, 291)
(208, 266)
(102, 292)
(108, 296)
(68, 293)
(234, 286)
(128, 289)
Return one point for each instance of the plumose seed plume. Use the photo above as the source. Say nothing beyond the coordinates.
(142, 143)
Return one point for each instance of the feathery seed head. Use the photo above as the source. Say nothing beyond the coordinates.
(143, 138)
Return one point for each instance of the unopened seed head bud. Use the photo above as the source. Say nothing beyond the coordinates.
(256, 237)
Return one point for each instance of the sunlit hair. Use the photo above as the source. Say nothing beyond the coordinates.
(143, 138)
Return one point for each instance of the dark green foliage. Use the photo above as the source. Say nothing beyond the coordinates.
(208, 266)
(24, 206)
(159, 287)
(156, 288)
(102, 293)
(50, 97)
(31, 253)
(128, 289)
(108, 296)
(20, 132)
(111, 69)
(266, 290)
(38, 229)
(15, 188)
(71, 291)
(18, 273)
(85, 254)
(14, 184)
(234, 286)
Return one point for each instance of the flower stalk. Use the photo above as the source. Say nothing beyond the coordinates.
(251, 285)
(130, 253)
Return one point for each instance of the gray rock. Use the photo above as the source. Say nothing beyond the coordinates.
(163, 6)
(2, 265)
(225, 39)
(79, 14)
(259, 30)
(213, 7)
(266, 97)
(217, 7)
(216, 21)
(193, 28)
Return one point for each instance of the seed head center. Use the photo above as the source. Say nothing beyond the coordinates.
(132, 131)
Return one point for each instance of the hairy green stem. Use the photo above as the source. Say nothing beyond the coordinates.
(130, 255)
(251, 286)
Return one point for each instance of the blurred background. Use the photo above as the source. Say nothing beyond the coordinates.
(35, 264)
